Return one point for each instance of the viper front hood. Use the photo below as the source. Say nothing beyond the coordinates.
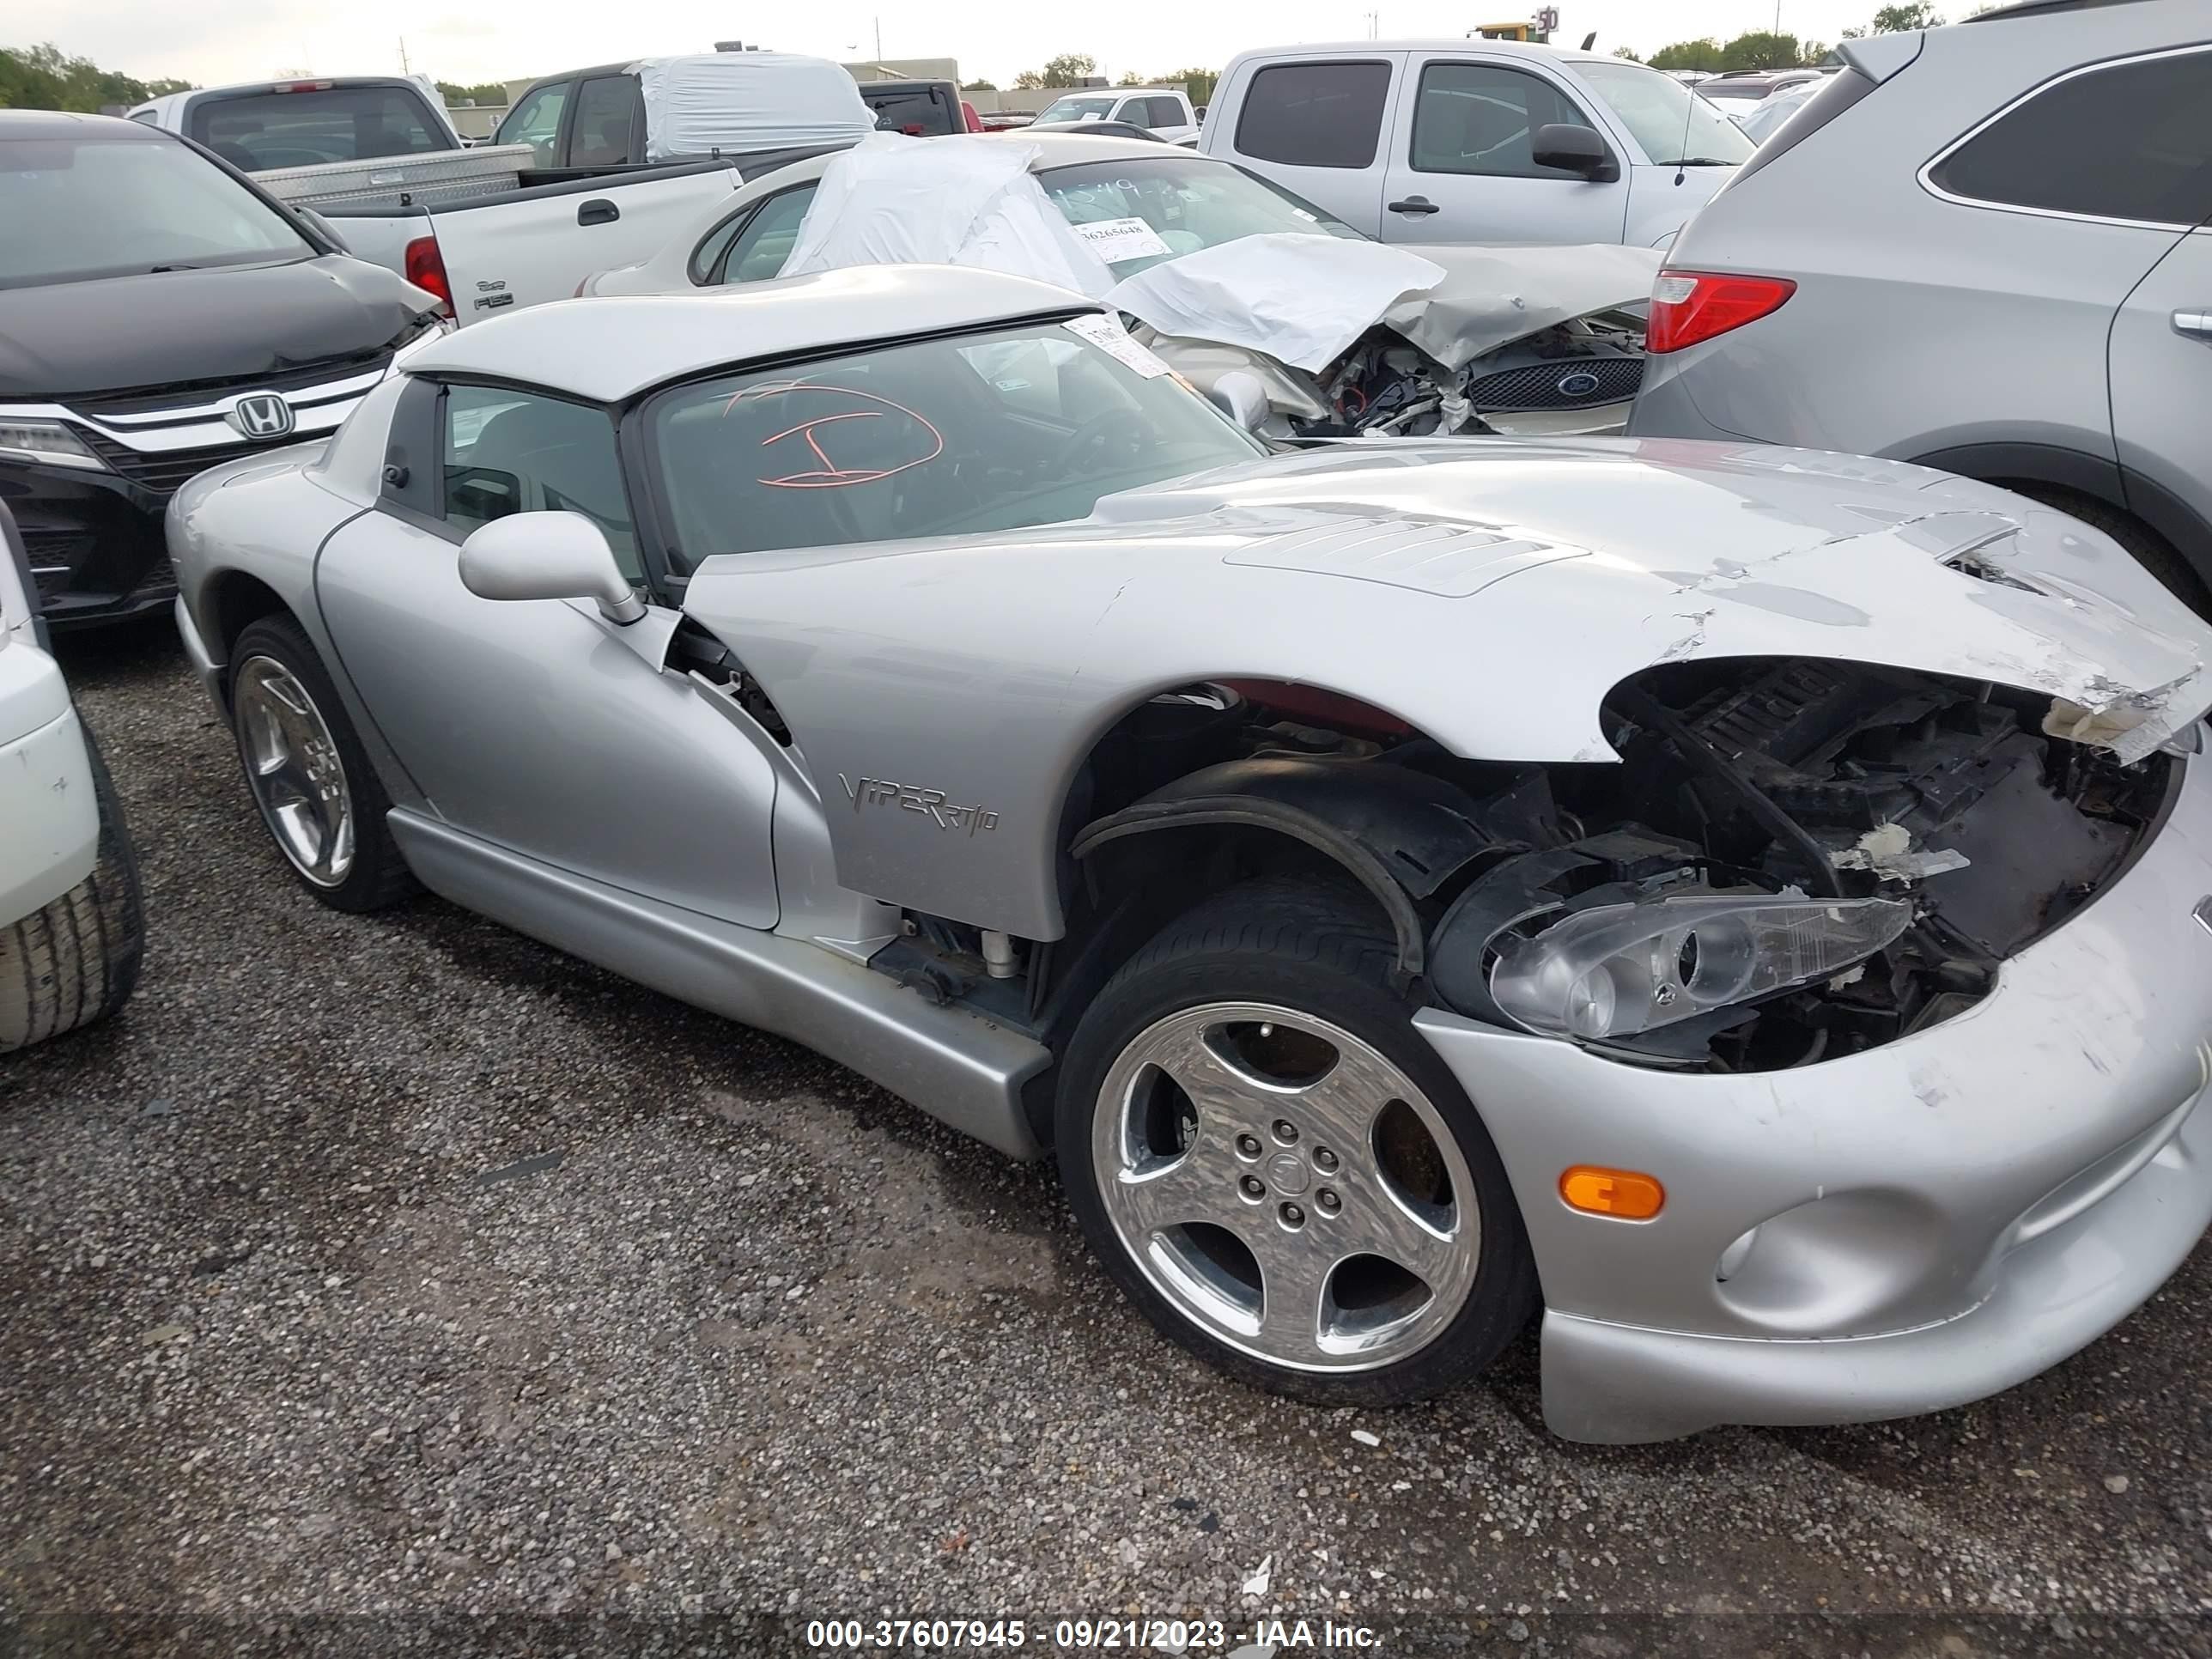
(1492, 592)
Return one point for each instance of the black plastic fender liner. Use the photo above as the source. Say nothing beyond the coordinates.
(1403, 833)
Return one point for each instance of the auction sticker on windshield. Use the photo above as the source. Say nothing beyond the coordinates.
(1107, 335)
(1116, 240)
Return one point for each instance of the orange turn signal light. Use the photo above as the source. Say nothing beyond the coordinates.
(1623, 1194)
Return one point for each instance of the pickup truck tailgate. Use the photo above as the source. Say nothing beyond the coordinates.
(502, 253)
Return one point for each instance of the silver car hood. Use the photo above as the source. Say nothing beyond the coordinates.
(1492, 592)
(1489, 592)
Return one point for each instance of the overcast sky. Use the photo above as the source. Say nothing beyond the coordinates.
(248, 39)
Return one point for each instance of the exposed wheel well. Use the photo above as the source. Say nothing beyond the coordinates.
(235, 599)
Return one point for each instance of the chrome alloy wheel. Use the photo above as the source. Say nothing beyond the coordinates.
(1286, 1186)
(292, 764)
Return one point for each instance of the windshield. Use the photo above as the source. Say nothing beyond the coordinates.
(303, 129)
(1028, 425)
(1136, 213)
(1061, 113)
(1659, 110)
(161, 208)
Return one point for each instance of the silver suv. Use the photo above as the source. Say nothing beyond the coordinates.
(1984, 248)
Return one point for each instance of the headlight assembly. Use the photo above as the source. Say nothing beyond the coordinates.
(47, 441)
(1616, 970)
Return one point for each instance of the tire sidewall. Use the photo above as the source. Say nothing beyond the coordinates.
(1503, 1294)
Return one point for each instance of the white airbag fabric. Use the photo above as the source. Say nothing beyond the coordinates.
(735, 102)
(966, 200)
(1300, 300)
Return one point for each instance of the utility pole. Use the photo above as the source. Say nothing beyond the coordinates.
(403, 55)
(1374, 24)
(880, 39)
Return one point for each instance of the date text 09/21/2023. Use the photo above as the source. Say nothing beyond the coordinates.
(1262, 1639)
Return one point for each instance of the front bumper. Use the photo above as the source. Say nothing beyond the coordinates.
(93, 540)
(1937, 1220)
(49, 811)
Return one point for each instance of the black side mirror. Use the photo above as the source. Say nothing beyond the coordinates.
(1574, 149)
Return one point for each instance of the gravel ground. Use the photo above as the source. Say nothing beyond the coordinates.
(399, 1284)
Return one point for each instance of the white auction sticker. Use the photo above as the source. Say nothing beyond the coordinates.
(1109, 337)
(1115, 240)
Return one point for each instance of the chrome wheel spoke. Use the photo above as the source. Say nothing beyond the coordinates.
(1294, 1274)
(1378, 1223)
(1178, 1193)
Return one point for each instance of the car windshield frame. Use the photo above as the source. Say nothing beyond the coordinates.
(1104, 100)
(1661, 133)
(1189, 433)
(1299, 216)
(194, 183)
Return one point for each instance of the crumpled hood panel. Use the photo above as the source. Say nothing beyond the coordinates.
(1489, 592)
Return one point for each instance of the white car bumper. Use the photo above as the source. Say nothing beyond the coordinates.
(49, 811)
(1937, 1219)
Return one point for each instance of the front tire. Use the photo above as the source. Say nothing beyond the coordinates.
(76, 961)
(319, 798)
(1274, 1165)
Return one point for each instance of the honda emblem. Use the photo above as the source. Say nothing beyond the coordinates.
(261, 414)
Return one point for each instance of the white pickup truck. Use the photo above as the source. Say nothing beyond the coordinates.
(1486, 142)
(71, 925)
(357, 154)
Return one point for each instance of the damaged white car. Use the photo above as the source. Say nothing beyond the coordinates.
(1219, 271)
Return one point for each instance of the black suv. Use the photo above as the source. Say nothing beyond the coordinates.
(158, 315)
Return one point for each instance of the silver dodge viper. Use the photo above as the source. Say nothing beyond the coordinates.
(1753, 905)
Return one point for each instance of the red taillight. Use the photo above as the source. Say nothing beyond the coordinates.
(302, 85)
(969, 120)
(425, 269)
(1691, 305)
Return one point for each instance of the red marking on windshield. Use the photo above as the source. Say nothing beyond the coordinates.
(828, 475)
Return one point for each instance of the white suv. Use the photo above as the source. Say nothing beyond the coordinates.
(71, 925)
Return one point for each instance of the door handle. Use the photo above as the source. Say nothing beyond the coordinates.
(1415, 204)
(2198, 323)
(597, 211)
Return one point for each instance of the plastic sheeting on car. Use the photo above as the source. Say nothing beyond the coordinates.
(736, 102)
(1302, 300)
(958, 200)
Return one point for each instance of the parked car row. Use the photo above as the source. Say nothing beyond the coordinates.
(1087, 634)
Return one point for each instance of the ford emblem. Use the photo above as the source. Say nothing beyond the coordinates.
(1580, 384)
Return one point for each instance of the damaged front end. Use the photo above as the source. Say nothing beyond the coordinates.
(1795, 859)
(1519, 342)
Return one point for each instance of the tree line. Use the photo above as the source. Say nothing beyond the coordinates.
(1073, 69)
(1766, 49)
(45, 77)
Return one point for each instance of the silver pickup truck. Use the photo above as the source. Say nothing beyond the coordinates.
(376, 163)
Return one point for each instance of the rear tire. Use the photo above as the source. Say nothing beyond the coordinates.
(1275, 1167)
(320, 797)
(75, 962)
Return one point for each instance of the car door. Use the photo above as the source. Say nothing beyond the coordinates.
(1316, 126)
(534, 724)
(1461, 167)
(2162, 380)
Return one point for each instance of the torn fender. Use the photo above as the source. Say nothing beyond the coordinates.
(1489, 592)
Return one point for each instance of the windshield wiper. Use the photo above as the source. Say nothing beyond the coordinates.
(1701, 161)
(156, 270)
